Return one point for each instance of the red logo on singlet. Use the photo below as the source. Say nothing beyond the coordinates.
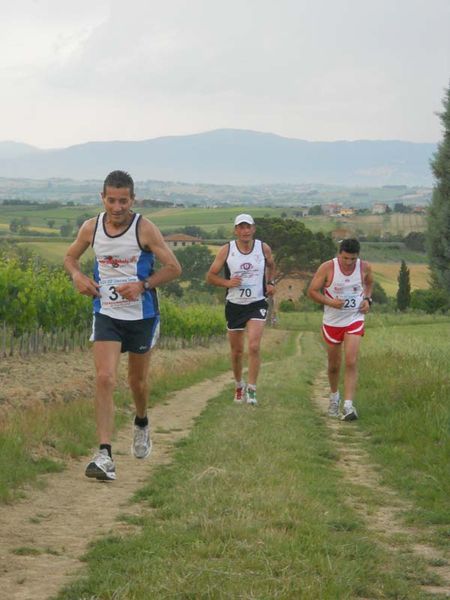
(115, 261)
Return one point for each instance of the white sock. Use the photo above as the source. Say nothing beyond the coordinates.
(239, 384)
(334, 396)
(251, 386)
(348, 404)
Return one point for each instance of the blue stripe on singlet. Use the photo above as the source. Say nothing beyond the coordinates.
(144, 269)
(97, 303)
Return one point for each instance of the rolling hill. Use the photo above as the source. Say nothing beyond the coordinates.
(230, 156)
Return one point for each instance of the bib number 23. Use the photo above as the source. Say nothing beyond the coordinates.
(350, 303)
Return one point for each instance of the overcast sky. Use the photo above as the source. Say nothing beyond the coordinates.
(77, 71)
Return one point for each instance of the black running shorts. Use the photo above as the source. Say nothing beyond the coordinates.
(237, 315)
(135, 336)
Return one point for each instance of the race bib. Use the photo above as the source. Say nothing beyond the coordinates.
(110, 297)
(351, 301)
(246, 291)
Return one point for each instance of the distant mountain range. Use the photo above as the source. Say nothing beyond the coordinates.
(229, 156)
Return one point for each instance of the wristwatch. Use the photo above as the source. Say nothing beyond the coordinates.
(147, 285)
(369, 300)
(271, 282)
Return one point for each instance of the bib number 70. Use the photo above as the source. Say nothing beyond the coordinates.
(245, 292)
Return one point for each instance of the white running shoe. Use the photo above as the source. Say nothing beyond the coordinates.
(239, 394)
(101, 467)
(350, 414)
(251, 397)
(333, 408)
(141, 445)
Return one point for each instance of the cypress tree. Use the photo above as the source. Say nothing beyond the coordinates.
(404, 288)
(438, 234)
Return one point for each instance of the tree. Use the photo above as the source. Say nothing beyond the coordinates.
(66, 230)
(379, 295)
(404, 288)
(51, 223)
(14, 225)
(195, 262)
(194, 230)
(173, 288)
(430, 301)
(293, 244)
(438, 233)
(415, 240)
(315, 210)
(399, 207)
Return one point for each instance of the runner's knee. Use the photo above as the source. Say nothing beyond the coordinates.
(106, 379)
(137, 384)
(333, 368)
(350, 362)
(253, 348)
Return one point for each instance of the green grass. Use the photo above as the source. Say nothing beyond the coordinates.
(38, 216)
(390, 252)
(404, 398)
(53, 251)
(207, 218)
(252, 507)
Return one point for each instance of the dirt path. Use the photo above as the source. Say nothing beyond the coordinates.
(43, 536)
(382, 516)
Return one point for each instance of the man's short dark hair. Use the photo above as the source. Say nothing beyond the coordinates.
(119, 179)
(350, 245)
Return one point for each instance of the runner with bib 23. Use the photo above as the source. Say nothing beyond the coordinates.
(344, 286)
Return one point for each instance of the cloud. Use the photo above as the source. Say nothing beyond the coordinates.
(318, 70)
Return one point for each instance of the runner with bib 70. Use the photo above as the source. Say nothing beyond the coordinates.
(249, 272)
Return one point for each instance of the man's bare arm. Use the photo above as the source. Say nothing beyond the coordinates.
(84, 284)
(368, 287)
(317, 284)
(270, 269)
(213, 277)
(152, 240)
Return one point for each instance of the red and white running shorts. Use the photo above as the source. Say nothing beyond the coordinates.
(335, 335)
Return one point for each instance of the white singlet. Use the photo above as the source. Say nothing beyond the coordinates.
(251, 268)
(120, 259)
(348, 288)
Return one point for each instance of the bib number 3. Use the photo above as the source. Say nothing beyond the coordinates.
(110, 296)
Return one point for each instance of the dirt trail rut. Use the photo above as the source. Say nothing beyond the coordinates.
(382, 517)
(43, 536)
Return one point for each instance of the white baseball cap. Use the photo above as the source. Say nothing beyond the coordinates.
(244, 218)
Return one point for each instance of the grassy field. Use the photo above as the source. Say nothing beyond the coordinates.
(390, 252)
(211, 218)
(404, 395)
(207, 218)
(39, 216)
(394, 223)
(53, 251)
(253, 505)
(387, 274)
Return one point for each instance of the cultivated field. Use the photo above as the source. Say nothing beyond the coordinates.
(211, 218)
(387, 275)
